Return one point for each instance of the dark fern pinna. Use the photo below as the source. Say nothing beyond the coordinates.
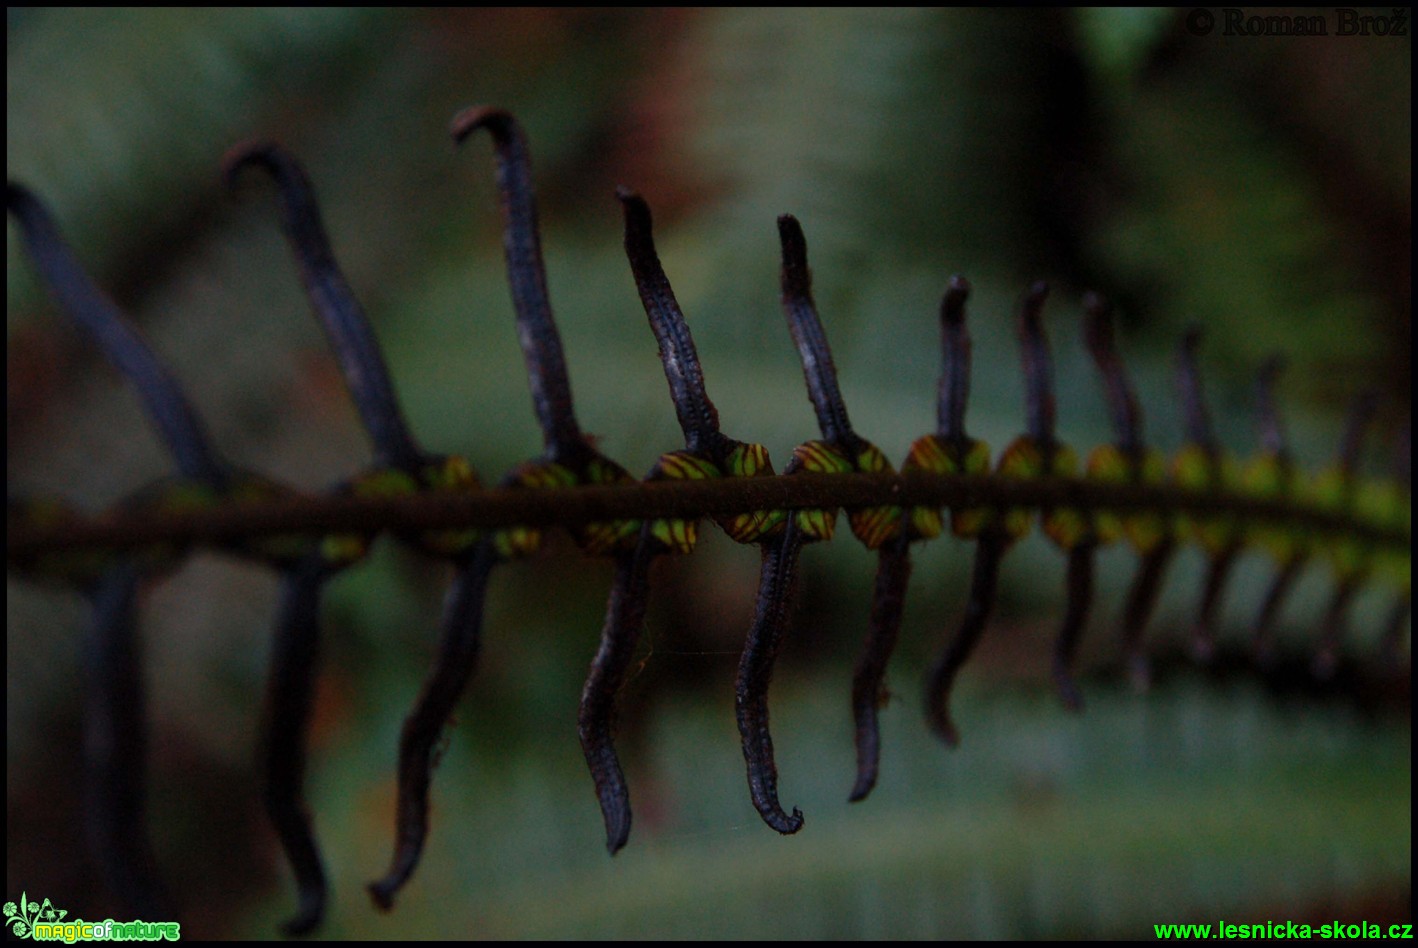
(1123, 491)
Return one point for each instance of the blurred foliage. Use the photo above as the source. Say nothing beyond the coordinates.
(1260, 187)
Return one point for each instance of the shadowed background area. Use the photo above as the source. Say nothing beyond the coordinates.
(1257, 186)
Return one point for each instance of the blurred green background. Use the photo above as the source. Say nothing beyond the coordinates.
(1259, 187)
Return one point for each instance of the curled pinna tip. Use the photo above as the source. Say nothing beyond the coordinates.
(1268, 424)
(893, 572)
(596, 714)
(526, 273)
(984, 581)
(1196, 418)
(954, 362)
(166, 404)
(499, 122)
(765, 638)
(285, 726)
(952, 307)
(1101, 340)
(698, 418)
(1038, 366)
(811, 340)
(335, 305)
(459, 646)
(269, 154)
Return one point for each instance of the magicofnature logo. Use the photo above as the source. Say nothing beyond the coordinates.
(44, 922)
